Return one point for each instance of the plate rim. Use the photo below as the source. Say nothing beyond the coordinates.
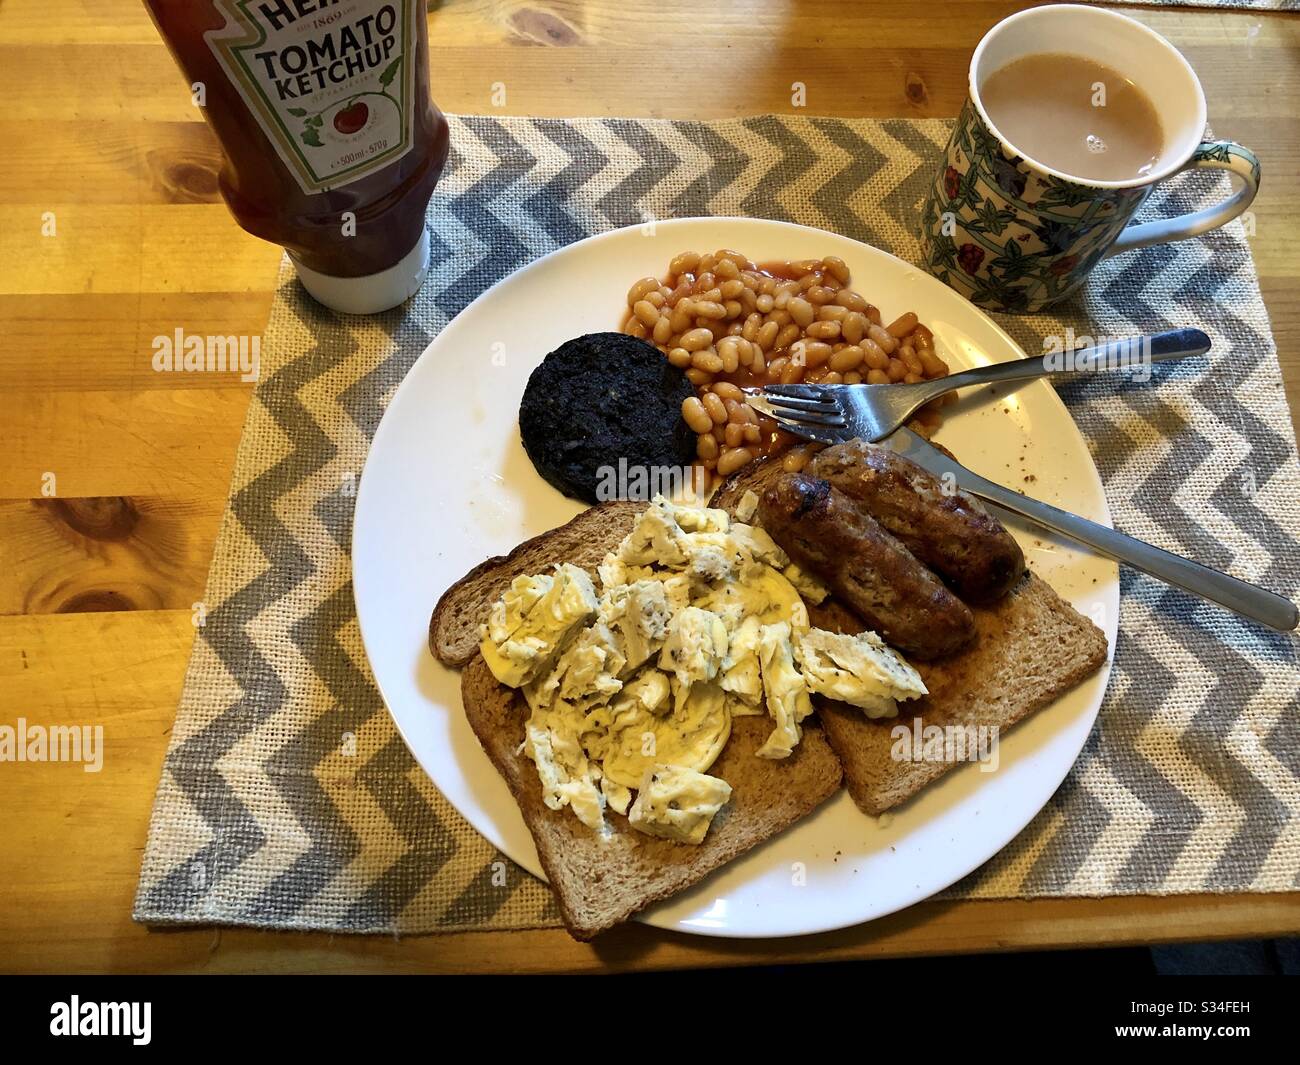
(927, 281)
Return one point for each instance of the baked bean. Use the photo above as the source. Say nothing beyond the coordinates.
(657, 298)
(764, 303)
(695, 339)
(706, 446)
(734, 308)
(853, 378)
(758, 365)
(695, 416)
(824, 330)
(873, 314)
(882, 337)
(767, 336)
(876, 358)
(733, 459)
(801, 312)
(820, 294)
(730, 354)
(699, 378)
(850, 300)
(639, 291)
(752, 433)
(663, 331)
(910, 359)
(731, 289)
(780, 317)
(792, 374)
(726, 268)
(717, 410)
(752, 325)
(635, 328)
(849, 358)
(903, 324)
(735, 435)
(831, 312)
(833, 378)
(795, 460)
(877, 377)
(932, 364)
(707, 360)
(788, 335)
(816, 353)
(679, 357)
(897, 370)
(686, 262)
(912, 379)
(838, 267)
(854, 326)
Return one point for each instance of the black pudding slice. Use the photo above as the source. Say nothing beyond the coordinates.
(600, 398)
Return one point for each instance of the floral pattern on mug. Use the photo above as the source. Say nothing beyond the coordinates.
(1008, 236)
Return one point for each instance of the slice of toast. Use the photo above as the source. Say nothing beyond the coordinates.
(1030, 647)
(584, 541)
(599, 883)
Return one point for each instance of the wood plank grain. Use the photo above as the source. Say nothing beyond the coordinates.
(97, 248)
(163, 442)
(106, 553)
(105, 341)
(177, 162)
(878, 67)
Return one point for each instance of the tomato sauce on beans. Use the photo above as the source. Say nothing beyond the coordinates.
(732, 324)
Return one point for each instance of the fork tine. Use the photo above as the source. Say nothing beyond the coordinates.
(773, 409)
(826, 434)
(798, 391)
(798, 403)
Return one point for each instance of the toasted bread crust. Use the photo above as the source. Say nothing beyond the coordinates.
(584, 541)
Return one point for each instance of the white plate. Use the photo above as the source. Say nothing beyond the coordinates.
(447, 484)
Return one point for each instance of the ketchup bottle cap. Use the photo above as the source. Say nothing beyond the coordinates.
(373, 292)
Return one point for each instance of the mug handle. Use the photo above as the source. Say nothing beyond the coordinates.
(1209, 155)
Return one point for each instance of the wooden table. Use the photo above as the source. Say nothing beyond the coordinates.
(99, 135)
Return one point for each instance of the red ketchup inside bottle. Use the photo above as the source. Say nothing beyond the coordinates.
(332, 142)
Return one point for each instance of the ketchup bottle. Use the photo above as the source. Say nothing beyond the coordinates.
(332, 143)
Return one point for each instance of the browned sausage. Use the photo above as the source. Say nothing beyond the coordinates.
(950, 531)
(830, 534)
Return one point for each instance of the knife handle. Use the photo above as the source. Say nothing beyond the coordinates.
(1248, 600)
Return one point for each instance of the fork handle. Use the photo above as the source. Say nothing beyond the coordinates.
(1117, 355)
(1245, 599)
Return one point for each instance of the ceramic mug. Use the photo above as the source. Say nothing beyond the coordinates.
(1011, 233)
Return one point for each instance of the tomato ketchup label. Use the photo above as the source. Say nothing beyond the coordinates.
(330, 82)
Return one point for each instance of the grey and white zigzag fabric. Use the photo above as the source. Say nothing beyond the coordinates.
(288, 799)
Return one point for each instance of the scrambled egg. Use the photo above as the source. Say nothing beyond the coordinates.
(699, 619)
(677, 803)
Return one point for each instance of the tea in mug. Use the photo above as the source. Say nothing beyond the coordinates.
(1076, 116)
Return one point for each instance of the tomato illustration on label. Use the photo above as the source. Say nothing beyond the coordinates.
(352, 116)
(351, 119)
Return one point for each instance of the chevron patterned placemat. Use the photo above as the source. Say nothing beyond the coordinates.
(288, 799)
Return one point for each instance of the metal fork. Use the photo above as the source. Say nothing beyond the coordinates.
(839, 412)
